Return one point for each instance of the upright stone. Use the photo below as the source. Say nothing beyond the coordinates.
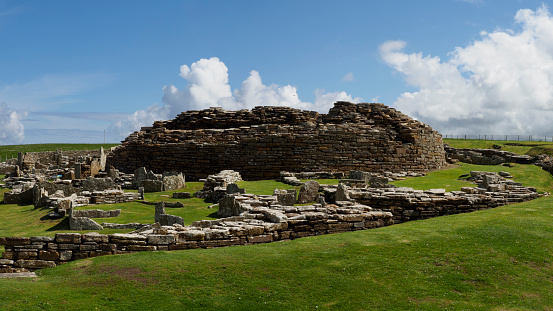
(308, 192)
(160, 210)
(20, 158)
(78, 174)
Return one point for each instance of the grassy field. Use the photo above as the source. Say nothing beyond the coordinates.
(528, 175)
(10, 151)
(497, 259)
(520, 147)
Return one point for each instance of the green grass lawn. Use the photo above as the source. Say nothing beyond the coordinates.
(497, 259)
(528, 175)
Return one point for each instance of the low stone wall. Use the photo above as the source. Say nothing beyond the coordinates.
(408, 204)
(486, 156)
(96, 213)
(259, 225)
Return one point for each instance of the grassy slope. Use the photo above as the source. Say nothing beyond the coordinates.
(497, 259)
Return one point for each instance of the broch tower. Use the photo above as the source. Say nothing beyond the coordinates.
(262, 142)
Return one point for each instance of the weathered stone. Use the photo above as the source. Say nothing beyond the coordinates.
(233, 188)
(286, 197)
(151, 185)
(8, 241)
(229, 207)
(308, 192)
(190, 235)
(160, 239)
(173, 181)
(48, 255)
(98, 184)
(34, 264)
(83, 223)
(68, 238)
(66, 255)
(95, 237)
(159, 210)
(170, 220)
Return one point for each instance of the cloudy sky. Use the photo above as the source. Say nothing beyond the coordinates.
(85, 71)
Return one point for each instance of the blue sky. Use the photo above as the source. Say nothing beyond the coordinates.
(70, 70)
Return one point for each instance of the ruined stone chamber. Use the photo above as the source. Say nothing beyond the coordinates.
(262, 142)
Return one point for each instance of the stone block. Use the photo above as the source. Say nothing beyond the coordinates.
(68, 238)
(141, 248)
(308, 192)
(15, 241)
(161, 239)
(170, 220)
(6, 262)
(95, 237)
(83, 223)
(190, 235)
(260, 239)
(172, 181)
(152, 185)
(48, 255)
(34, 264)
(66, 255)
(41, 239)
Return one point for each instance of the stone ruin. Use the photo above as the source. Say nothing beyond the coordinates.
(262, 142)
(374, 143)
(252, 219)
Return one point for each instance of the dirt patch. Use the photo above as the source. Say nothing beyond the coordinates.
(130, 274)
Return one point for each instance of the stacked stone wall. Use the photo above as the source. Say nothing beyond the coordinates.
(266, 140)
(30, 253)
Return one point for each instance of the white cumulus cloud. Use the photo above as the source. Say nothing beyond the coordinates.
(11, 128)
(499, 84)
(208, 86)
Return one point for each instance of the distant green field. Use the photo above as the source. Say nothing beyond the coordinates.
(10, 151)
(519, 147)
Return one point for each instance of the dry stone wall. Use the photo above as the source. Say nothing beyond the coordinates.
(262, 142)
(260, 225)
(407, 204)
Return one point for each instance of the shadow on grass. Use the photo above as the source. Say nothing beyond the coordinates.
(62, 225)
(213, 215)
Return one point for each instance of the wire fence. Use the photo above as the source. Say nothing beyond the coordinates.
(537, 138)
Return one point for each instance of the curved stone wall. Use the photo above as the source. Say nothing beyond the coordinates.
(262, 142)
